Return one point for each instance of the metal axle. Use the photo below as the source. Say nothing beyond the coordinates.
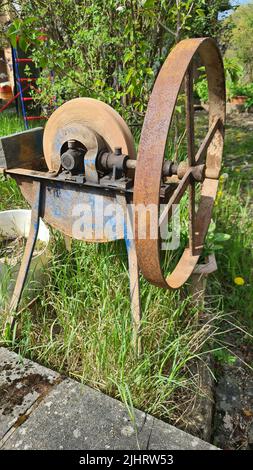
(107, 161)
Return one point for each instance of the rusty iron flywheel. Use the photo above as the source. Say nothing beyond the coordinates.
(148, 175)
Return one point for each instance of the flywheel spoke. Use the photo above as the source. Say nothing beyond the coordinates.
(201, 153)
(176, 196)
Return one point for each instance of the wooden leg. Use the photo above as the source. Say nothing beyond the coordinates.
(28, 253)
(134, 294)
(134, 279)
(198, 283)
(68, 242)
(133, 269)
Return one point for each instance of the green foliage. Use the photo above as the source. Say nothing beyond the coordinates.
(241, 22)
(223, 356)
(201, 89)
(233, 69)
(249, 103)
(242, 89)
(214, 240)
(25, 31)
(108, 49)
(238, 89)
(234, 81)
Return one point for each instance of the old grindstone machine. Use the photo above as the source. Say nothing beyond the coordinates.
(85, 158)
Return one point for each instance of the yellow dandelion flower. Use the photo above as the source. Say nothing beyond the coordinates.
(239, 281)
(237, 170)
(219, 194)
(223, 177)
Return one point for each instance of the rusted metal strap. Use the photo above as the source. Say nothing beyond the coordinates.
(29, 248)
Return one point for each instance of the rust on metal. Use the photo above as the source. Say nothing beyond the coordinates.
(71, 120)
(190, 151)
(29, 248)
(151, 151)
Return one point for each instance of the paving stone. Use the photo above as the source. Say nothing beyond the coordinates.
(74, 416)
(22, 383)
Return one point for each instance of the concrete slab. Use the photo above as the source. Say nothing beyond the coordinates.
(74, 416)
(22, 384)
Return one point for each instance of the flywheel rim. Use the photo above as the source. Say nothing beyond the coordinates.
(155, 129)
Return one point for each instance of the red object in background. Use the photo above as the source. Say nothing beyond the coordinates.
(33, 118)
(5, 92)
(24, 60)
(5, 88)
(238, 99)
(13, 98)
(26, 79)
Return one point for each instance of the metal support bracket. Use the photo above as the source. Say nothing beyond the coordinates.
(28, 253)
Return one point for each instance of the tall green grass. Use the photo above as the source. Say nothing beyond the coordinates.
(10, 123)
(234, 215)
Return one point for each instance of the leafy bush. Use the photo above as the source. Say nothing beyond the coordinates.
(214, 240)
(109, 49)
(238, 89)
(201, 88)
(233, 69)
(240, 44)
(233, 73)
(249, 103)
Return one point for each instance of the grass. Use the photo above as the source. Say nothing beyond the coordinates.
(81, 322)
(234, 215)
(10, 123)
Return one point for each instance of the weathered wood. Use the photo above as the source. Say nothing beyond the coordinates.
(199, 420)
(23, 150)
